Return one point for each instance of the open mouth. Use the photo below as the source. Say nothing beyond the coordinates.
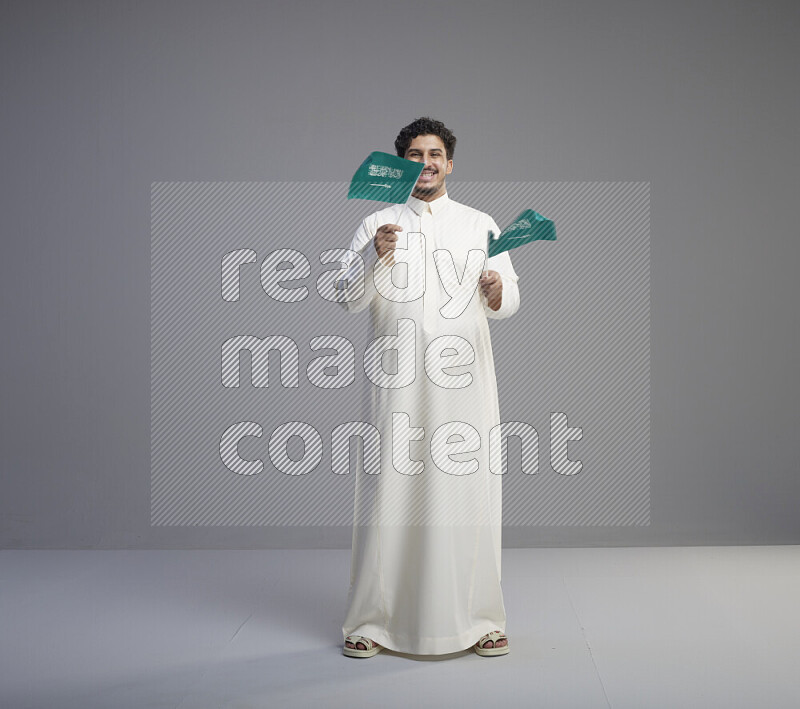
(427, 175)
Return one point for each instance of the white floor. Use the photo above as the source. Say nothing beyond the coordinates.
(635, 627)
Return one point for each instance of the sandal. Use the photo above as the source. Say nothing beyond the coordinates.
(494, 636)
(372, 648)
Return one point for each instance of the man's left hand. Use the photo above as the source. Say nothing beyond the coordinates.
(492, 286)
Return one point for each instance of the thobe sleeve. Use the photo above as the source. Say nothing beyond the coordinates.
(502, 264)
(360, 278)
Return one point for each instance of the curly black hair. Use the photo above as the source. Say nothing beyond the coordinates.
(425, 126)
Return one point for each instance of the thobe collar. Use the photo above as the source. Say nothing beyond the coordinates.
(436, 206)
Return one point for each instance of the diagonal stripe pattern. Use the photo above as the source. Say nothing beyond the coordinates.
(237, 267)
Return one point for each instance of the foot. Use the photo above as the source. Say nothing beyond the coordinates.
(359, 645)
(500, 643)
(493, 644)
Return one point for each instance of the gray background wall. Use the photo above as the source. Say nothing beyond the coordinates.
(101, 99)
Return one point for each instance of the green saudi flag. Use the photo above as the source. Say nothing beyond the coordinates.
(385, 178)
(528, 226)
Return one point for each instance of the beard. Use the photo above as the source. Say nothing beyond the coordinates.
(426, 190)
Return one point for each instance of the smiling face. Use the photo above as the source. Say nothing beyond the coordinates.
(429, 149)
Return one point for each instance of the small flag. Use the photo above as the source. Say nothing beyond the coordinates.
(385, 178)
(528, 226)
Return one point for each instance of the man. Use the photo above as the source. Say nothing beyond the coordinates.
(425, 568)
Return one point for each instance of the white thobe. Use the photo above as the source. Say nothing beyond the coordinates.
(425, 567)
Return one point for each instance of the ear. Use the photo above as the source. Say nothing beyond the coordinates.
(449, 167)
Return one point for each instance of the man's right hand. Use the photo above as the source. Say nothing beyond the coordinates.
(385, 241)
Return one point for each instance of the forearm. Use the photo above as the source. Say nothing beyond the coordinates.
(356, 285)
